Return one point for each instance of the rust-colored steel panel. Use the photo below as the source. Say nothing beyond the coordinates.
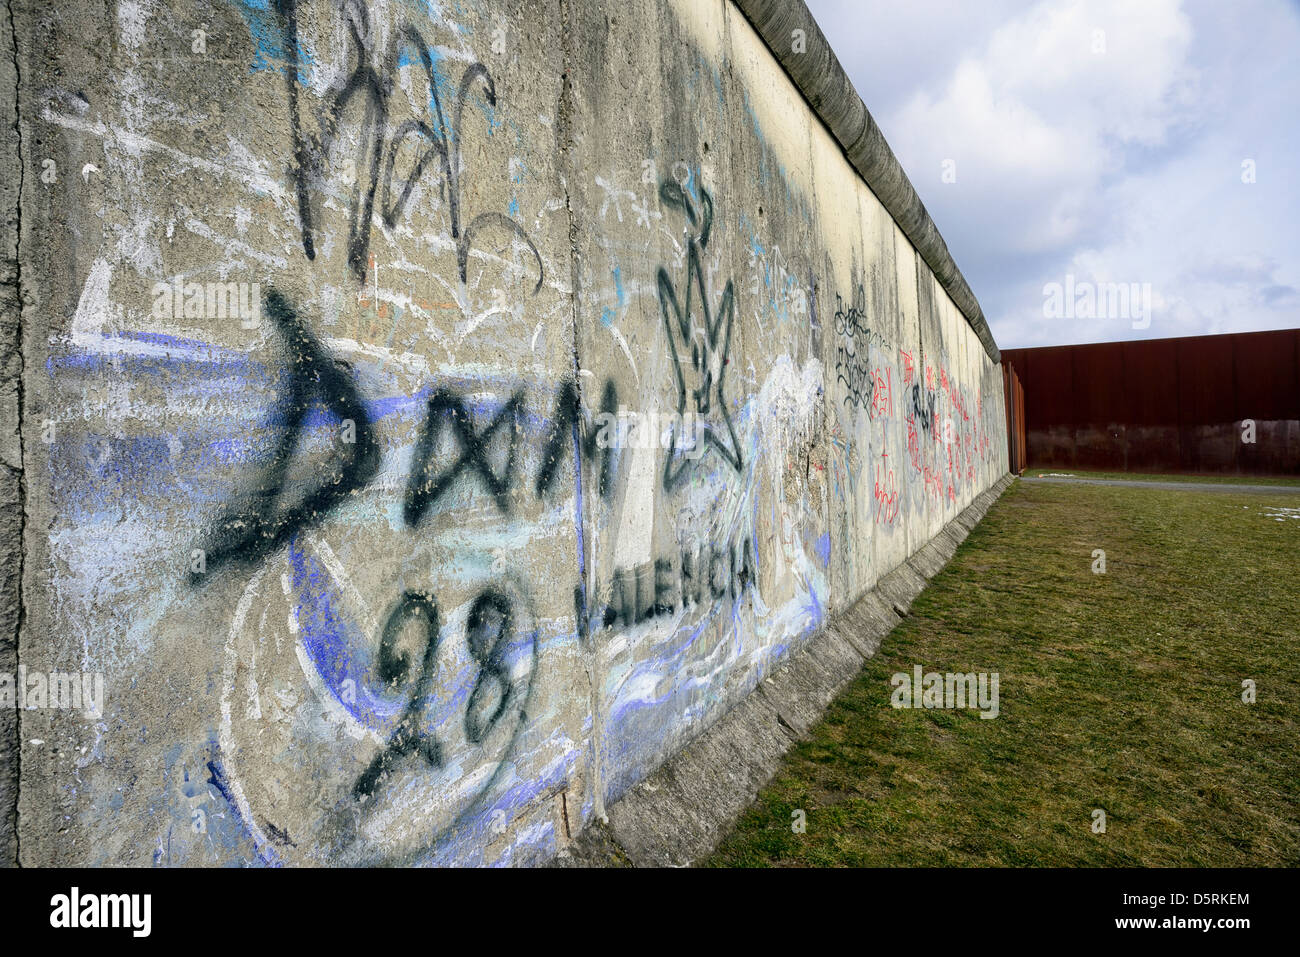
(1172, 405)
(1014, 399)
(1266, 376)
(1151, 401)
(1098, 396)
(1021, 446)
(1207, 443)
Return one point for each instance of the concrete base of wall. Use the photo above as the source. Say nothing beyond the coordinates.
(679, 813)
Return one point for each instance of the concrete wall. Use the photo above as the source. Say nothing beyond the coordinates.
(362, 583)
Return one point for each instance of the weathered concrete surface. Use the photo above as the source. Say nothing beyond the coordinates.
(678, 814)
(329, 311)
(792, 34)
(11, 477)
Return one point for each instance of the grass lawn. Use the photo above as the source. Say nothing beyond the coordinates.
(1120, 691)
(1170, 477)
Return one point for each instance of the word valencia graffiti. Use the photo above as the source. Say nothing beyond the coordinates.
(660, 587)
(435, 140)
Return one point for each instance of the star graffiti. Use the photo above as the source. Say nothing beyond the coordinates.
(699, 340)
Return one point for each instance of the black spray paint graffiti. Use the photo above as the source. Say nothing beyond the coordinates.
(489, 628)
(708, 343)
(253, 530)
(856, 376)
(446, 410)
(567, 430)
(393, 670)
(925, 410)
(865, 388)
(260, 525)
(660, 587)
(852, 320)
(434, 140)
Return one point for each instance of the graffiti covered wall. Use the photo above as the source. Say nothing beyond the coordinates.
(434, 415)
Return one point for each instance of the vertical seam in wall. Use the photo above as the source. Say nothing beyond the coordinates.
(1236, 408)
(1123, 378)
(918, 369)
(22, 482)
(816, 339)
(915, 275)
(564, 135)
(1178, 402)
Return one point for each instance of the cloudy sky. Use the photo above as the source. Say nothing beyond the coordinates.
(1105, 140)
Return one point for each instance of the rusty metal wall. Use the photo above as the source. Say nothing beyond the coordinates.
(1014, 392)
(1169, 405)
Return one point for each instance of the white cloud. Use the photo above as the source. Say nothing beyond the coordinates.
(1039, 118)
(1114, 164)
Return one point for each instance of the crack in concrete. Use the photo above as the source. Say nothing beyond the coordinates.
(20, 618)
(564, 148)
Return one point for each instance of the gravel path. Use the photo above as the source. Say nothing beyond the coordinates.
(1179, 486)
